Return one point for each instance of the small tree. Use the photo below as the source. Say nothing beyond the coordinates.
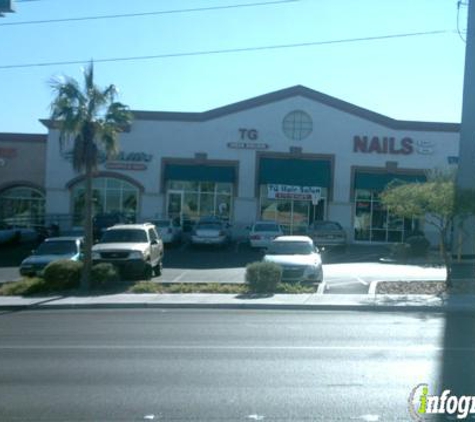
(435, 200)
(91, 119)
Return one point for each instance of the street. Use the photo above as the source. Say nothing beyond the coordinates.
(213, 365)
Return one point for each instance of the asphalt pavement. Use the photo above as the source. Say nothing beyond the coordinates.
(203, 365)
(344, 273)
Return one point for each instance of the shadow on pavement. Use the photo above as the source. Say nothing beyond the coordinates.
(12, 254)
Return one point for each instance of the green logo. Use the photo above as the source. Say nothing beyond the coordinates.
(423, 405)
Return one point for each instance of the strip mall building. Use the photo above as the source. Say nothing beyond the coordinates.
(294, 156)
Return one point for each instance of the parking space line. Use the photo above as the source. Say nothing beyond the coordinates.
(321, 288)
(359, 279)
(178, 278)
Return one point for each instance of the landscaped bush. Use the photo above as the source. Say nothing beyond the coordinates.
(104, 274)
(63, 274)
(263, 277)
(25, 287)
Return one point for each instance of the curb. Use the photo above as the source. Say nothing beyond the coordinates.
(250, 306)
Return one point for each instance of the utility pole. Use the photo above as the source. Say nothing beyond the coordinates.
(463, 244)
(6, 6)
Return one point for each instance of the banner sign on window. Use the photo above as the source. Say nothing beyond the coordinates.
(310, 193)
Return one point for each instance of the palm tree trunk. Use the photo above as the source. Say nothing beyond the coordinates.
(86, 274)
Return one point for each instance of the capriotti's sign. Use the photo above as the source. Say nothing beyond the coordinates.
(122, 161)
(278, 191)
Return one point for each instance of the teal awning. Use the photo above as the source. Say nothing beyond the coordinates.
(201, 173)
(295, 172)
(378, 181)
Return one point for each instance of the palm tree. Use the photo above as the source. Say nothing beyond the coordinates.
(91, 119)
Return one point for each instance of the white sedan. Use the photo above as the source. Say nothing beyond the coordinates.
(298, 257)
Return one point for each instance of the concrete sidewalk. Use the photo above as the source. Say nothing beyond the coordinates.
(398, 303)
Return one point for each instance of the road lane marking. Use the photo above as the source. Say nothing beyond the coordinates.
(419, 348)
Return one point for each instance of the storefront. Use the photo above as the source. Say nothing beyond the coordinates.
(293, 191)
(372, 222)
(198, 190)
(22, 175)
(294, 156)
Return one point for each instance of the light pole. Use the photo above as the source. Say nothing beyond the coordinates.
(463, 243)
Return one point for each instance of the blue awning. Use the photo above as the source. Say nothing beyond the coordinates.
(378, 181)
(200, 173)
(295, 172)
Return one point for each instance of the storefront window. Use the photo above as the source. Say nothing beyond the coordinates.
(374, 223)
(197, 199)
(109, 195)
(22, 206)
(294, 215)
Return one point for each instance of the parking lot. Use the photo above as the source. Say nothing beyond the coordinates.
(345, 273)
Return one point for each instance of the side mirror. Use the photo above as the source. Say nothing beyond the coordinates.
(154, 242)
(33, 251)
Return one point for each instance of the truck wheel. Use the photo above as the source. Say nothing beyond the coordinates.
(158, 269)
(147, 272)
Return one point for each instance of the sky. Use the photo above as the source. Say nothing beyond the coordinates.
(204, 54)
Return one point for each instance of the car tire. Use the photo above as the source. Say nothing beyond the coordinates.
(147, 271)
(157, 270)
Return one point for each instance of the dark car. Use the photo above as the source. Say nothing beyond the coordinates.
(101, 222)
(328, 234)
(52, 249)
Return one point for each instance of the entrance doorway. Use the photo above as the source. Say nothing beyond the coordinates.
(293, 215)
(175, 204)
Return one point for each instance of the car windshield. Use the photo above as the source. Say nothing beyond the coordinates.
(327, 227)
(266, 228)
(124, 236)
(57, 248)
(290, 248)
(162, 223)
(209, 226)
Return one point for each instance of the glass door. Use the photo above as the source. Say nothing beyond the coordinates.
(175, 204)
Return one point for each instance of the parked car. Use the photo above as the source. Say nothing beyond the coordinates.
(211, 231)
(52, 249)
(103, 221)
(299, 258)
(169, 229)
(262, 233)
(7, 233)
(328, 234)
(136, 249)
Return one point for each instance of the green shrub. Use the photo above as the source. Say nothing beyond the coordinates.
(263, 277)
(295, 288)
(104, 274)
(63, 274)
(24, 287)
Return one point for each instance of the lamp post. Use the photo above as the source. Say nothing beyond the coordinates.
(463, 245)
